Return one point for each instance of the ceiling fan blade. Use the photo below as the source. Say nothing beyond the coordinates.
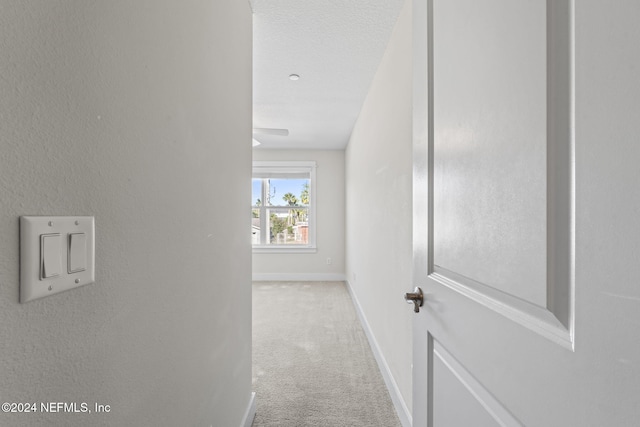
(271, 131)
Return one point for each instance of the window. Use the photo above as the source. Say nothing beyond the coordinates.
(283, 206)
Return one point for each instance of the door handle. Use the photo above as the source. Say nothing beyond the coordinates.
(416, 297)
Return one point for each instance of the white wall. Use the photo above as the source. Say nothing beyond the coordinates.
(139, 113)
(330, 201)
(378, 205)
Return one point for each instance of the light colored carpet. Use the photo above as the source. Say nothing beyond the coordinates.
(312, 364)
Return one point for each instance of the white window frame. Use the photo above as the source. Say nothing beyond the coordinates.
(284, 167)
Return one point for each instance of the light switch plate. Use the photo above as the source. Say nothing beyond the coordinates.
(32, 286)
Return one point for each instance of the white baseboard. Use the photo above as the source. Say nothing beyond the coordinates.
(299, 277)
(250, 414)
(396, 397)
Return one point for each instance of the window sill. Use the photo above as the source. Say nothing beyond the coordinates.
(284, 250)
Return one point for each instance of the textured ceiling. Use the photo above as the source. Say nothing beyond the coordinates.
(335, 46)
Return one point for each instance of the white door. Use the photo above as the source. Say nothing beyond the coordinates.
(527, 213)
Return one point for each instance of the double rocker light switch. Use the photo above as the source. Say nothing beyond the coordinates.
(56, 254)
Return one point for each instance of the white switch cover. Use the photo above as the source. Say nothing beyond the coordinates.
(57, 253)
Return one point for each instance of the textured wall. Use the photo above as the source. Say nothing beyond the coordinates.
(330, 219)
(378, 205)
(139, 113)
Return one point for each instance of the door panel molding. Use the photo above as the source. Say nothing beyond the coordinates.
(531, 316)
(489, 408)
(555, 320)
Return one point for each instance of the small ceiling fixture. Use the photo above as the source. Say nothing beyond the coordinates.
(294, 77)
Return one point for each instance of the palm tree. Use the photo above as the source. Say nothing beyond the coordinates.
(291, 200)
(304, 196)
